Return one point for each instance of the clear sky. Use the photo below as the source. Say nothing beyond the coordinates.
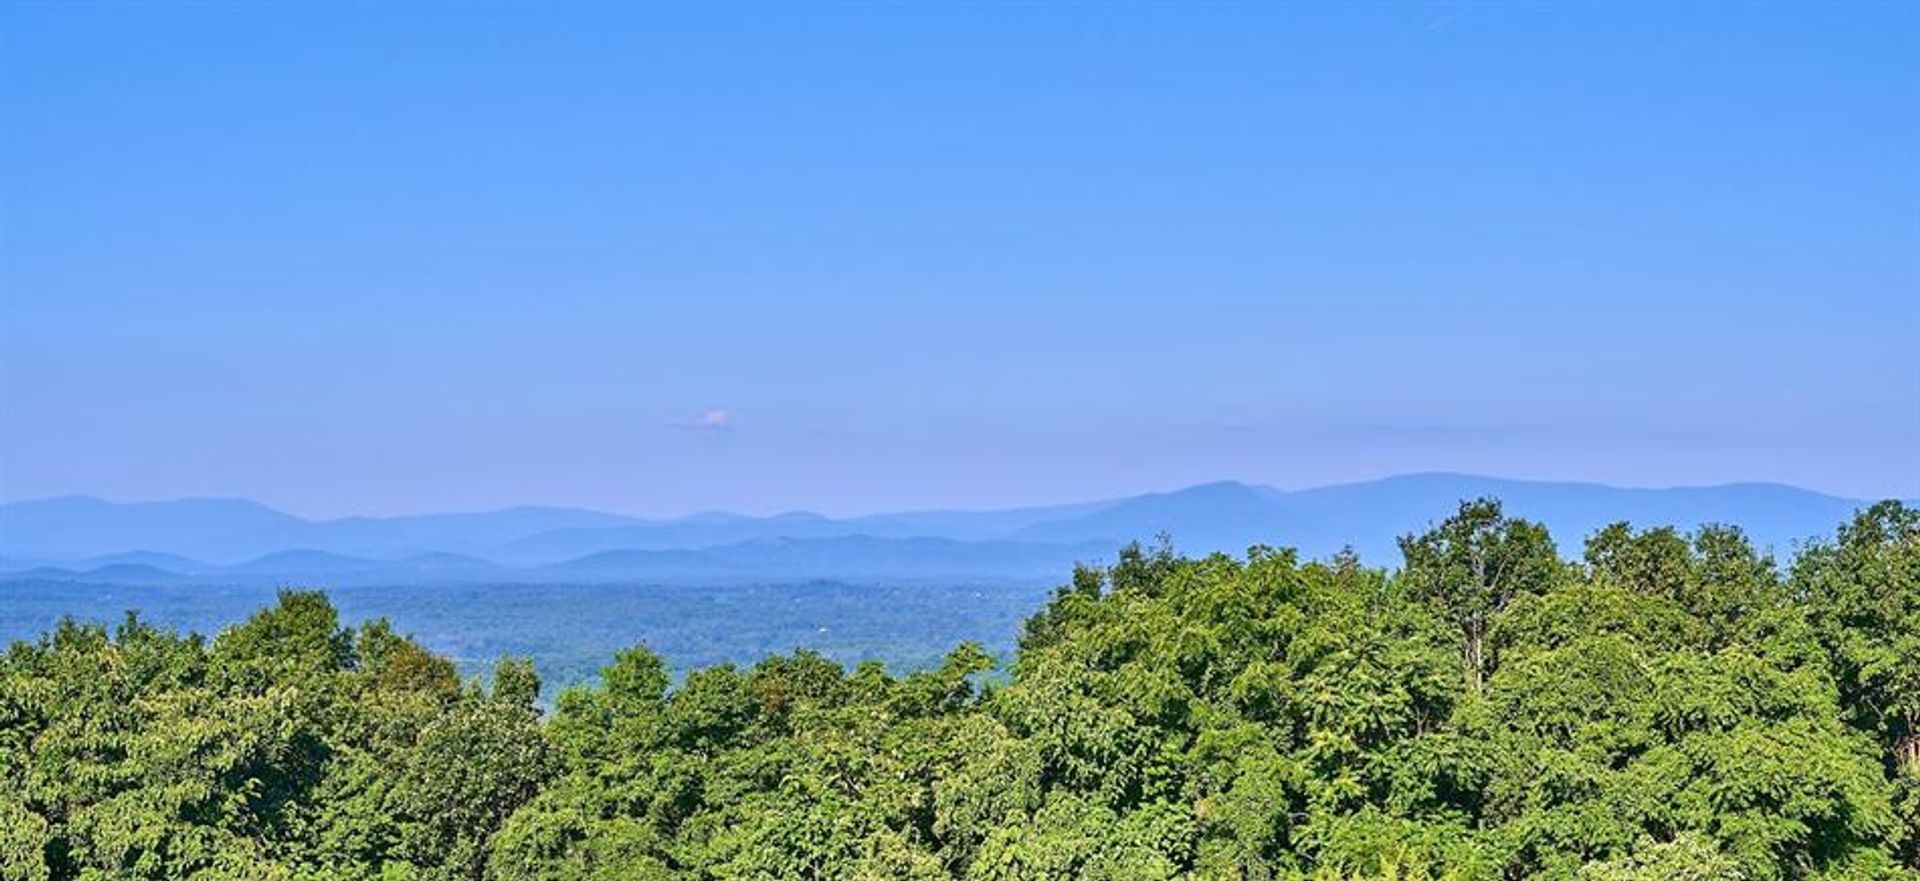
(388, 258)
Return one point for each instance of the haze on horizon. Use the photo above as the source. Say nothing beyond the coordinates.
(867, 259)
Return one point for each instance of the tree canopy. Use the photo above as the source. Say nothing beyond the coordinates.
(1673, 706)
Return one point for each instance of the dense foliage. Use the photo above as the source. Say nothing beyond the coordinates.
(1672, 706)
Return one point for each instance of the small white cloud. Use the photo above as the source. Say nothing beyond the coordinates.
(713, 420)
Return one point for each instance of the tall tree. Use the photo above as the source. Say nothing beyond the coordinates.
(1863, 591)
(1471, 565)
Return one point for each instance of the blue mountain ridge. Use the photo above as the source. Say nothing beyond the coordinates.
(234, 540)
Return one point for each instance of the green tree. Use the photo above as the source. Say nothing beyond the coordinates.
(515, 683)
(470, 770)
(1471, 565)
(1863, 590)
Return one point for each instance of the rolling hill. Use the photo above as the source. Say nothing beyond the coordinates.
(227, 540)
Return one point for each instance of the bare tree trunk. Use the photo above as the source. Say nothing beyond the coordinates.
(1472, 653)
(1906, 750)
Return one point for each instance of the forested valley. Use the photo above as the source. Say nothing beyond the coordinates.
(1671, 706)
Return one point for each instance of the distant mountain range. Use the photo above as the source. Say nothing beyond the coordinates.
(234, 540)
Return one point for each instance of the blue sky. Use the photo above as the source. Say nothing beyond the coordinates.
(361, 259)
